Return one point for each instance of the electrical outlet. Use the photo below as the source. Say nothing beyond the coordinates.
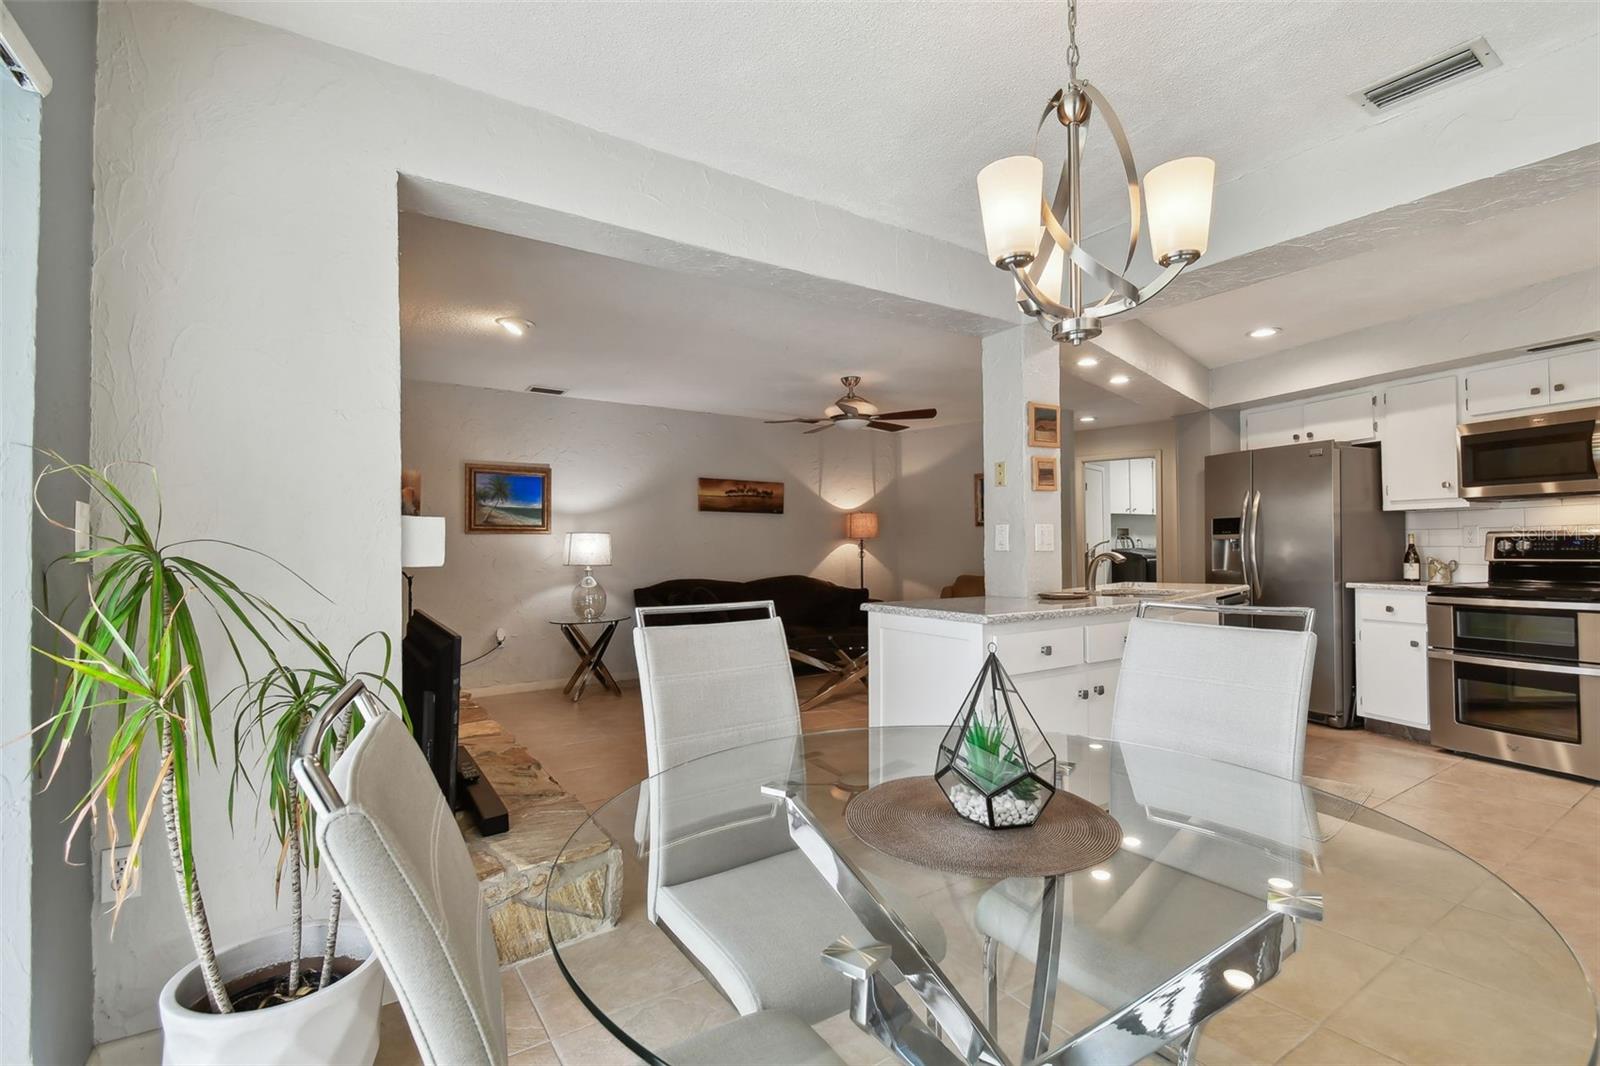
(80, 525)
(1002, 537)
(1044, 537)
(115, 864)
(500, 636)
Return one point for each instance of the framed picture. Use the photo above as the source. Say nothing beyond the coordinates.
(977, 499)
(741, 497)
(1044, 425)
(508, 498)
(1045, 477)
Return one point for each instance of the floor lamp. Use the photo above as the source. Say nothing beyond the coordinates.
(861, 526)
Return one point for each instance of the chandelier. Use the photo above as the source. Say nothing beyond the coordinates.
(1039, 240)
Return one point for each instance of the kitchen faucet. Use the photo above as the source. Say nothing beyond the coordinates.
(1092, 563)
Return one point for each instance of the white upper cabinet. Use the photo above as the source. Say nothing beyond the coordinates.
(1575, 376)
(1353, 417)
(1117, 495)
(1507, 388)
(1142, 486)
(1274, 426)
(1419, 445)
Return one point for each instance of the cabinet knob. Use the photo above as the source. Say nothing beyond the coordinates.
(1297, 436)
(1389, 607)
(1558, 387)
(1444, 484)
(1099, 690)
(1536, 390)
(1311, 436)
(1046, 650)
(1414, 644)
(1083, 693)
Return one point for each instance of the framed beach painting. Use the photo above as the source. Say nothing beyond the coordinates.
(508, 498)
(1044, 425)
(738, 496)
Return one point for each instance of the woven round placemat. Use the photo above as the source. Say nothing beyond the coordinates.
(910, 818)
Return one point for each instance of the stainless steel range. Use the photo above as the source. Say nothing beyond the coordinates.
(1514, 662)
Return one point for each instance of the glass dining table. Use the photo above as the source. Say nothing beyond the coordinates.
(1258, 912)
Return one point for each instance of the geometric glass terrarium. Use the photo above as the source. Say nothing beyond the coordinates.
(995, 766)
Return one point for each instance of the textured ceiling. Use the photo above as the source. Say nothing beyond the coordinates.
(627, 333)
(890, 109)
(1421, 266)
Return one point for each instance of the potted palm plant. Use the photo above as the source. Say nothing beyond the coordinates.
(137, 661)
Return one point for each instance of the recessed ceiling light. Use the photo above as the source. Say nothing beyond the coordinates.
(1087, 361)
(1118, 379)
(517, 327)
(1096, 747)
(1261, 333)
(1086, 418)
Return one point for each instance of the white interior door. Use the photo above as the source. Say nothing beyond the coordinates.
(1096, 518)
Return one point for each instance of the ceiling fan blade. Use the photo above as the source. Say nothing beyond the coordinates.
(921, 412)
(889, 426)
(781, 421)
(819, 429)
(847, 408)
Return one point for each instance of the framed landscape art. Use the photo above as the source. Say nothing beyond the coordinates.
(1045, 474)
(741, 497)
(508, 498)
(1044, 425)
(977, 499)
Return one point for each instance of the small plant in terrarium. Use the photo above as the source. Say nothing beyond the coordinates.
(995, 766)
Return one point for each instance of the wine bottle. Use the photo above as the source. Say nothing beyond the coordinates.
(1411, 562)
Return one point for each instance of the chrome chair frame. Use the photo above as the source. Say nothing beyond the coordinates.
(1306, 615)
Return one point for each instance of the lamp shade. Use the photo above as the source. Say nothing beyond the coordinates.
(421, 541)
(1010, 197)
(1178, 195)
(860, 525)
(588, 549)
(1050, 277)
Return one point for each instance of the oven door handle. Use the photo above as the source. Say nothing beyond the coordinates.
(1491, 602)
(1574, 669)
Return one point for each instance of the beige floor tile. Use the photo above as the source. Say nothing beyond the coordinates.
(538, 1055)
(626, 966)
(1580, 823)
(1327, 1048)
(395, 1046)
(662, 1021)
(593, 1046)
(1488, 843)
(1326, 970)
(559, 1010)
(1526, 815)
(1514, 781)
(1561, 860)
(523, 1027)
(1415, 1013)
(1251, 1030)
(1376, 911)
(1521, 958)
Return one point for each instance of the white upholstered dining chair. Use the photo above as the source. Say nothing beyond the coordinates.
(725, 879)
(393, 848)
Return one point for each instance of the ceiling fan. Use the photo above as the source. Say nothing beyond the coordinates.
(856, 412)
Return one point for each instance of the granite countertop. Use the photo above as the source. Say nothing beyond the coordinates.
(1001, 609)
(1388, 586)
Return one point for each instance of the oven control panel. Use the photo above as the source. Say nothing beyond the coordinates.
(1543, 545)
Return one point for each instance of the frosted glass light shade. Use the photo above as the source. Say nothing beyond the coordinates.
(861, 525)
(421, 541)
(1010, 196)
(1050, 280)
(588, 549)
(1178, 195)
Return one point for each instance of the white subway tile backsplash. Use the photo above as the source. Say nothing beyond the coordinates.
(1460, 534)
(1471, 572)
(1416, 520)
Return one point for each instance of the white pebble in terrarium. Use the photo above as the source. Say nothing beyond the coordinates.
(1009, 809)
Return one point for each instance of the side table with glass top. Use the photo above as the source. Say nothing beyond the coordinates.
(591, 653)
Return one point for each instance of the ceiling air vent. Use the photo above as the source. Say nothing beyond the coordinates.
(1554, 345)
(541, 390)
(1470, 58)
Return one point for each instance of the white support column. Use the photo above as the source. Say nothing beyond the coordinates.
(1020, 365)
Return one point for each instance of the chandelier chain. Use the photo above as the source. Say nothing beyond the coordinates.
(1072, 41)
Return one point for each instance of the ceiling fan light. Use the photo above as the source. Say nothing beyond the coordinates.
(852, 423)
(1178, 195)
(1010, 198)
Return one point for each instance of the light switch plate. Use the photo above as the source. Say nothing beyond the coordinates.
(999, 475)
(1044, 537)
(1002, 537)
(80, 525)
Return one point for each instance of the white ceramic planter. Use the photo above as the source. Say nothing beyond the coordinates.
(338, 1025)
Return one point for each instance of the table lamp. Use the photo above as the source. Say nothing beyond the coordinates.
(861, 526)
(588, 550)
(421, 544)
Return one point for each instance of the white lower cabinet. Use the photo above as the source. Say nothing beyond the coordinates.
(1392, 657)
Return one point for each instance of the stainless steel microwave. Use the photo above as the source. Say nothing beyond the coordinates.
(1531, 455)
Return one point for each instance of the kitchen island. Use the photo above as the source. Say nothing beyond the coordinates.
(1063, 656)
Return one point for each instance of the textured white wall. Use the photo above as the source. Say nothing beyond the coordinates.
(630, 471)
(937, 538)
(246, 330)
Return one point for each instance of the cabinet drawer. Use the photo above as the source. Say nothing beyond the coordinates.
(1045, 649)
(1103, 643)
(1381, 605)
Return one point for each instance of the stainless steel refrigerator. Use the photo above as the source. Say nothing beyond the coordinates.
(1295, 523)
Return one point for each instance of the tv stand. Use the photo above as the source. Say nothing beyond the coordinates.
(476, 796)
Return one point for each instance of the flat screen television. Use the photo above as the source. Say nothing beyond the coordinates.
(430, 681)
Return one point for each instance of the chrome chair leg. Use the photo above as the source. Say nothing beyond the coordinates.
(1187, 1048)
(991, 982)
